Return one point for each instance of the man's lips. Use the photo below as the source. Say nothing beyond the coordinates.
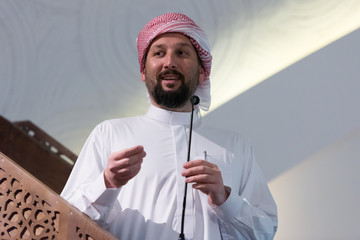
(169, 77)
(170, 82)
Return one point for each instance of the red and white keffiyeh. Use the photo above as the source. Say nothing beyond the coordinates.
(178, 22)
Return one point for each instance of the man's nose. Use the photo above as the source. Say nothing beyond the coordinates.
(170, 61)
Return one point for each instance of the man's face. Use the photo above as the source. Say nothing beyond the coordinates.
(172, 71)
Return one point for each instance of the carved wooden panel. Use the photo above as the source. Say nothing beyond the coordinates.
(30, 210)
(25, 215)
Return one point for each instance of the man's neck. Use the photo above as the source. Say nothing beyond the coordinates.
(185, 108)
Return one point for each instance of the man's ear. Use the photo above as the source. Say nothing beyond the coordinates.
(201, 75)
(143, 75)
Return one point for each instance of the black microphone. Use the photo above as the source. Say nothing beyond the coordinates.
(194, 101)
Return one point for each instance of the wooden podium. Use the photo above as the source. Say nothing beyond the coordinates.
(31, 210)
(34, 168)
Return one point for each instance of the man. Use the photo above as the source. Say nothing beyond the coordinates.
(139, 195)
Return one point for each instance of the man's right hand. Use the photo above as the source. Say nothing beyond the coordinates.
(123, 166)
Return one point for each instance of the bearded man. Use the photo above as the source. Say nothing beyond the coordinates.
(131, 172)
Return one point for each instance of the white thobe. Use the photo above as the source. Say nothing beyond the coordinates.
(150, 205)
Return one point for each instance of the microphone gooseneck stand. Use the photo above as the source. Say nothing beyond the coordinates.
(194, 101)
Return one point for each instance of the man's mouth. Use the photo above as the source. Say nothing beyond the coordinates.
(170, 79)
(170, 75)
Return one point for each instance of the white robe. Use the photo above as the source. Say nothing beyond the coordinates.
(149, 206)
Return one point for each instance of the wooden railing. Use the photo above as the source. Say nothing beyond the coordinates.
(31, 210)
(36, 152)
(45, 140)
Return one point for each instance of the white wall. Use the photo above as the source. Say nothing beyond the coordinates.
(305, 125)
(319, 198)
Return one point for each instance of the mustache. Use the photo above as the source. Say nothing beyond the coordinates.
(170, 71)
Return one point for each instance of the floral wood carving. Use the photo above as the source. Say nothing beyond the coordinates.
(29, 210)
(25, 215)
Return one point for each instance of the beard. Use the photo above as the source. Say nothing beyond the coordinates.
(172, 99)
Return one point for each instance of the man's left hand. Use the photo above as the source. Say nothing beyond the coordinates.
(207, 178)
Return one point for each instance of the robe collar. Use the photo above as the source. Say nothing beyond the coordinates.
(171, 117)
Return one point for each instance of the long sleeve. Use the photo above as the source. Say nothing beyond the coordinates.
(85, 188)
(250, 211)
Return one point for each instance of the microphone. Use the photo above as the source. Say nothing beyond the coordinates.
(194, 101)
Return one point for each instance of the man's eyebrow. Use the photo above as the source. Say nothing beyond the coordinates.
(161, 45)
(185, 45)
(157, 46)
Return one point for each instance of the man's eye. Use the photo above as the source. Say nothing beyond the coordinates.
(183, 53)
(158, 53)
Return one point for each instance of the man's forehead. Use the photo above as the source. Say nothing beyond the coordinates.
(180, 41)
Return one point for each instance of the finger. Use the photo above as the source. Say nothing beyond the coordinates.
(116, 177)
(133, 161)
(203, 178)
(204, 187)
(198, 162)
(128, 172)
(128, 152)
(211, 169)
(196, 170)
